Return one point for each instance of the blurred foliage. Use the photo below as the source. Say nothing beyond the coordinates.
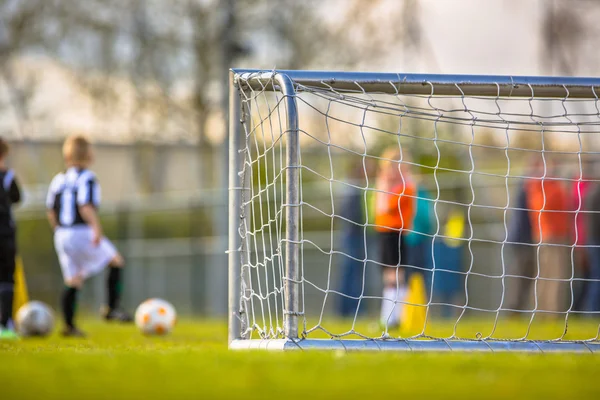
(193, 222)
(174, 56)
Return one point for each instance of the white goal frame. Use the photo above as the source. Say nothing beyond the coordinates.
(283, 81)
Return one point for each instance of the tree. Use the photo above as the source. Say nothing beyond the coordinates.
(159, 46)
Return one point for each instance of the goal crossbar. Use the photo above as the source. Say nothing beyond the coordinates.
(427, 84)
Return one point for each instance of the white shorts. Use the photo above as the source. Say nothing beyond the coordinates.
(77, 255)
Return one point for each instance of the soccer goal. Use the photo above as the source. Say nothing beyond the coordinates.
(377, 211)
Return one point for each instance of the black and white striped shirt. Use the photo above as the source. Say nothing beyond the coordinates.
(68, 191)
(9, 195)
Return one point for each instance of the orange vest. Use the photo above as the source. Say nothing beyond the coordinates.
(396, 210)
(547, 222)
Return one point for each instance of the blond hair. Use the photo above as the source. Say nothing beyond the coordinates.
(77, 150)
(4, 148)
(393, 154)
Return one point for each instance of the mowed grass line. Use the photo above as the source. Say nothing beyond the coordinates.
(117, 362)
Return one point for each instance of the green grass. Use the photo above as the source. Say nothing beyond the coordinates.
(119, 363)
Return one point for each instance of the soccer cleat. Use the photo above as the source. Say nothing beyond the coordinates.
(118, 315)
(8, 334)
(73, 332)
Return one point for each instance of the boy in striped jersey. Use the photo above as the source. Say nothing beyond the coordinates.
(82, 249)
(9, 195)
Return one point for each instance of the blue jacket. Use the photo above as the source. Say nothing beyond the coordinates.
(423, 221)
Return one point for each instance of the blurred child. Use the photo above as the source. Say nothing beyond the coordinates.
(355, 240)
(579, 192)
(394, 213)
(521, 267)
(82, 249)
(9, 195)
(419, 262)
(592, 220)
(418, 240)
(551, 227)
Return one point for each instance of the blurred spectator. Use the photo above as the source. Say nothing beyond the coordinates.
(579, 193)
(355, 237)
(418, 261)
(522, 262)
(592, 298)
(395, 208)
(551, 227)
(448, 261)
(418, 239)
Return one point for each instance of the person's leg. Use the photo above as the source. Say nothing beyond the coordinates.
(66, 244)
(114, 289)
(69, 304)
(582, 273)
(551, 290)
(113, 283)
(592, 299)
(358, 283)
(106, 256)
(73, 282)
(359, 273)
(345, 303)
(562, 273)
(403, 275)
(7, 270)
(394, 293)
(352, 273)
(517, 281)
(444, 282)
(542, 286)
(528, 265)
(393, 279)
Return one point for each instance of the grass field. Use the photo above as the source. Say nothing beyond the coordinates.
(116, 362)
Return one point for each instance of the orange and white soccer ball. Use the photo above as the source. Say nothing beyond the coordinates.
(155, 317)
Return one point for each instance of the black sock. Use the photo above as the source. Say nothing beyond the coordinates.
(69, 301)
(114, 288)
(6, 303)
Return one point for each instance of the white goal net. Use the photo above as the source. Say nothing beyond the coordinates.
(433, 212)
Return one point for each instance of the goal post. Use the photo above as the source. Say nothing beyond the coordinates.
(333, 173)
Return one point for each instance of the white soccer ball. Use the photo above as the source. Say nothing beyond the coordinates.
(34, 319)
(155, 317)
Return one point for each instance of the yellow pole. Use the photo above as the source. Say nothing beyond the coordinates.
(21, 293)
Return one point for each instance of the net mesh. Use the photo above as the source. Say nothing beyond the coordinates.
(423, 216)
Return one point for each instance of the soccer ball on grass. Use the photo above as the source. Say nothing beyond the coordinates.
(34, 319)
(155, 317)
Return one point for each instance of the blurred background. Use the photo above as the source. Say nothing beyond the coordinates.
(146, 80)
